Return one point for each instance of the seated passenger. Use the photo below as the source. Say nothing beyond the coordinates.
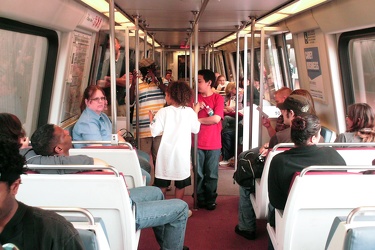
(24, 226)
(221, 83)
(11, 126)
(294, 105)
(167, 217)
(280, 96)
(94, 125)
(229, 122)
(305, 133)
(360, 123)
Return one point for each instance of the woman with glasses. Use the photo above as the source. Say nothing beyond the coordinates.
(93, 124)
(360, 122)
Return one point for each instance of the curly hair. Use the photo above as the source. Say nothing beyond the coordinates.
(89, 92)
(11, 161)
(362, 116)
(180, 93)
(303, 128)
(43, 140)
(11, 126)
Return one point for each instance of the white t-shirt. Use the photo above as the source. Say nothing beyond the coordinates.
(176, 124)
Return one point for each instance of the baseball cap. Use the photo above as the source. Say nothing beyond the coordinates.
(297, 103)
(146, 62)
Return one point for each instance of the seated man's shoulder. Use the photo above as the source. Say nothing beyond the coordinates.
(54, 229)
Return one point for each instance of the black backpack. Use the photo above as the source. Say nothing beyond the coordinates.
(249, 167)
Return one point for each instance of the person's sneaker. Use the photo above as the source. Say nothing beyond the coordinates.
(250, 235)
(223, 163)
(190, 213)
(211, 206)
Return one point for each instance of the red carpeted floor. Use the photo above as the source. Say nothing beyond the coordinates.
(213, 229)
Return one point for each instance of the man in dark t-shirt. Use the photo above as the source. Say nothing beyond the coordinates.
(24, 226)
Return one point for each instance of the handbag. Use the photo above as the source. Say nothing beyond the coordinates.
(129, 137)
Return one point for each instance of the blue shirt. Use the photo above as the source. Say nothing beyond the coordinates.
(92, 127)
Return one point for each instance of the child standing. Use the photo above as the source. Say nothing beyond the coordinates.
(176, 121)
(209, 140)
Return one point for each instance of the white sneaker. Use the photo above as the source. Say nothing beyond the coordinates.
(223, 163)
(190, 213)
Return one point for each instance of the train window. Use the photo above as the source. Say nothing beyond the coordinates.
(20, 71)
(357, 60)
(25, 73)
(292, 61)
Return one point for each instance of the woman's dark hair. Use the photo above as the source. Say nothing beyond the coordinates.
(303, 128)
(11, 161)
(180, 93)
(11, 127)
(362, 116)
(89, 92)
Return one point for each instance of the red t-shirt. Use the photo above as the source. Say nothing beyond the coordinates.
(209, 136)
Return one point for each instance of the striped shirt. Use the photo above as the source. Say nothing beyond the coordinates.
(150, 98)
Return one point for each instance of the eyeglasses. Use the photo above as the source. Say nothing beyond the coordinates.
(97, 99)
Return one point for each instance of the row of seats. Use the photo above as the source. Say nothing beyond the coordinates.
(103, 194)
(354, 232)
(353, 154)
(315, 200)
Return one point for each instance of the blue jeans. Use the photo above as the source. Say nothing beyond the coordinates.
(207, 175)
(167, 217)
(246, 214)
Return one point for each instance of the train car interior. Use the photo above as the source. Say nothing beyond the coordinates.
(51, 50)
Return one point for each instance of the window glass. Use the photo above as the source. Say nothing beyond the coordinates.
(22, 66)
(362, 66)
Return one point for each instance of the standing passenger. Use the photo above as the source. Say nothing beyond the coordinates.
(209, 139)
(151, 97)
(176, 121)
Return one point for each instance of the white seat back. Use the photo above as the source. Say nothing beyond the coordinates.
(259, 199)
(105, 196)
(314, 201)
(124, 160)
(353, 155)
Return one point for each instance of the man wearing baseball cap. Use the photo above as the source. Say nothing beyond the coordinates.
(294, 105)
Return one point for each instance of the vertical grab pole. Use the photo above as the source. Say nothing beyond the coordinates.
(136, 19)
(196, 52)
(261, 79)
(251, 82)
(212, 57)
(127, 62)
(112, 62)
